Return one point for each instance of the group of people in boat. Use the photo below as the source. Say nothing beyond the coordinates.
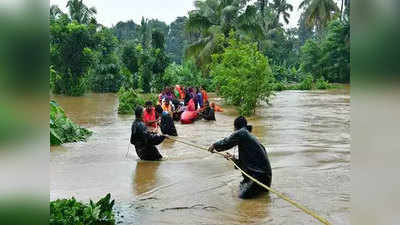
(253, 158)
(187, 104)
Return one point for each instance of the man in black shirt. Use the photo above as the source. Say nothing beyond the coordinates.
(253, 158)
(144, 140)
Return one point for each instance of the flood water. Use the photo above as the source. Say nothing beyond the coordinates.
(306, 133)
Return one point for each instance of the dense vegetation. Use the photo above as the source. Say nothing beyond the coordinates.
(62, 129)
(146, 57)
(72, 212)
(242, 74)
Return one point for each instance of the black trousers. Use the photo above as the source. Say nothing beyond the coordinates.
(249, 188)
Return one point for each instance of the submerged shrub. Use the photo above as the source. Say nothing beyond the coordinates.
(62, 129)
(129, 99)
(306, 84)
(71, 212)
(321, 83)
(279, 86)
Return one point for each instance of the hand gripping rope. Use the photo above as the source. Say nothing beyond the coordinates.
(280, 195)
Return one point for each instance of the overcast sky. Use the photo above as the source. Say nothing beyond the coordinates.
(110, 12)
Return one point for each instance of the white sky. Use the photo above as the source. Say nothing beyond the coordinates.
(110, 12)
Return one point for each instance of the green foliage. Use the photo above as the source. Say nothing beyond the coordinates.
(310, 58)
(129, 99)
(319, 12)
(81, 13)
(242, 75)
(322, 84)
(187, 75)
(279, 86)
(71, 55)
(62, 129)
(105, 75)
(176, 40)
(330, 56)
(306, 84)
(72, 212)
(125, 31)
(336, 52)
(54, 77)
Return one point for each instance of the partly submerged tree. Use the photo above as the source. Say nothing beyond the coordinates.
(319, 12)
(242, 75)
(80, 12)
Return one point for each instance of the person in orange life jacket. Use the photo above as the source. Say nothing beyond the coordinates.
(253, 158)
(204, 94)
(166, 106)
(149, 116)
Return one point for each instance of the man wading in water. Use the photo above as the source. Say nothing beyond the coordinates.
(144, 140)
(253, 158)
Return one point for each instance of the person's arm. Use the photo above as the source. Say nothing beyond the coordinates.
(153, 139)
(226, 143)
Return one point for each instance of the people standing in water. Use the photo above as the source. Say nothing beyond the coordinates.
(167, 107)
(166, 124)
(149, 116)
(145, 142)
(253, 158)
(207, 112)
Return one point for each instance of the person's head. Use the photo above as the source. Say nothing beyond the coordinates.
(159, 109)
(212, 104)
(139, 112)
(241, 122)
(149, 106)
(166, 102)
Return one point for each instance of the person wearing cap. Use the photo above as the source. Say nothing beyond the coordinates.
(145, 142)
(253, 158)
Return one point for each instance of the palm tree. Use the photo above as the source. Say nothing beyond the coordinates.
(55, 11)
(213, 17)
(319, 12)
(80, 12)
(282, 8)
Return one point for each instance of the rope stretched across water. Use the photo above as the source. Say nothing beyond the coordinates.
(284, 197)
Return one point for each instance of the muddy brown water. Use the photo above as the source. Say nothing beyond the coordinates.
(307, 135)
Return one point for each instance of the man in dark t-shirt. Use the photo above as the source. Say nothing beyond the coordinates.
(253, 158)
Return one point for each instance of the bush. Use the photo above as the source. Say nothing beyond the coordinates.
(242, 75)
(129, 99)
(187, 75)
(306, 84)
(62, 129)
(321, 83)
(279, 86)
(71, 212)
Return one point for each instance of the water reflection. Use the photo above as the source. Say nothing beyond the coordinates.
(145, 176)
